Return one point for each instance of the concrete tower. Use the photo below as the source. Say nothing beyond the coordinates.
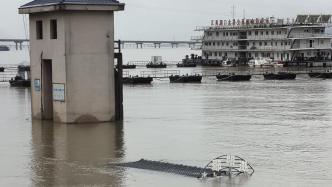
(72, 59)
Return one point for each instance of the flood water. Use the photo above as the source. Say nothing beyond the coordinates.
(283, 128)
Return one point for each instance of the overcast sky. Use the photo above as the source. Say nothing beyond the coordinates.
(174, 19)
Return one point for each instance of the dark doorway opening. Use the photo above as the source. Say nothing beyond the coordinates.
(47, 90)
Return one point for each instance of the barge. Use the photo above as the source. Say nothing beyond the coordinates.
(233, 77)
(153, 65)
(185, 79)
(22, 79)
(20, 82)
(156, 62)
(325, 75)
(280, 76)
(4, 48)
(186, 65)
(137, 80)
(128, 66)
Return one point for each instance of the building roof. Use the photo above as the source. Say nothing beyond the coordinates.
(38, 3)
(38, 6)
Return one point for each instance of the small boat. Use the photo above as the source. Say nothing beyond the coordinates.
(261, 62)
(128, 66)
(279, 76)
(4, 48)
(228, 63)
(186, 65)
(19, 82)
(185, 79)
(324, 75)
(2, 69)
(159, 65)
(156, 62)
(137, 80)
(233, 77)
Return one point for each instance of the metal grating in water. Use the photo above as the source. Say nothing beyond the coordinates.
(190, 171)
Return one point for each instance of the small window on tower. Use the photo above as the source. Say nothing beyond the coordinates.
(39, 30)
(54, 29)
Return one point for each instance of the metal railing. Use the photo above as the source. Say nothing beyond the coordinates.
(249, 48)
(145, 62)
(310, 35)
(7, 76)
(159, 74)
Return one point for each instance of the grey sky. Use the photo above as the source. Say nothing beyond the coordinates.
(174, 19)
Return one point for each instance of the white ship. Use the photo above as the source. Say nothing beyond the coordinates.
(290, 41)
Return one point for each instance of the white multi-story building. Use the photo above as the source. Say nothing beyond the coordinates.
(299, 40)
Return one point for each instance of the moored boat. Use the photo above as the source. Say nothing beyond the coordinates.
(279, 76)
(186, 65)
(156, 62)
(137, 80)
(22, 79)
(233, 77)
(324, 75)
(4, 48)
(160, 65)
(128, 66)
(2, 69)
(228, 63)
(20, 82)
(185, 79)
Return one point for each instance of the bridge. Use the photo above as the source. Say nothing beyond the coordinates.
(18, 42)
(128, 43)
(160, 43)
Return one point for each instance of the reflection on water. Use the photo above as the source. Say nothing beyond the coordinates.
(75, 154)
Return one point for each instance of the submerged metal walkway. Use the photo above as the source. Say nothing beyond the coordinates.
(225, 165)
(189, 171)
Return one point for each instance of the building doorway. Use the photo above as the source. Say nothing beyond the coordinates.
(47, 90)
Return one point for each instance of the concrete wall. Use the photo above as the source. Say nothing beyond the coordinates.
(47, 49)
(82, 59)
(90, 66)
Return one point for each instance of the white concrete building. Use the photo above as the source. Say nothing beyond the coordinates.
(302, 39)
(72, 59)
